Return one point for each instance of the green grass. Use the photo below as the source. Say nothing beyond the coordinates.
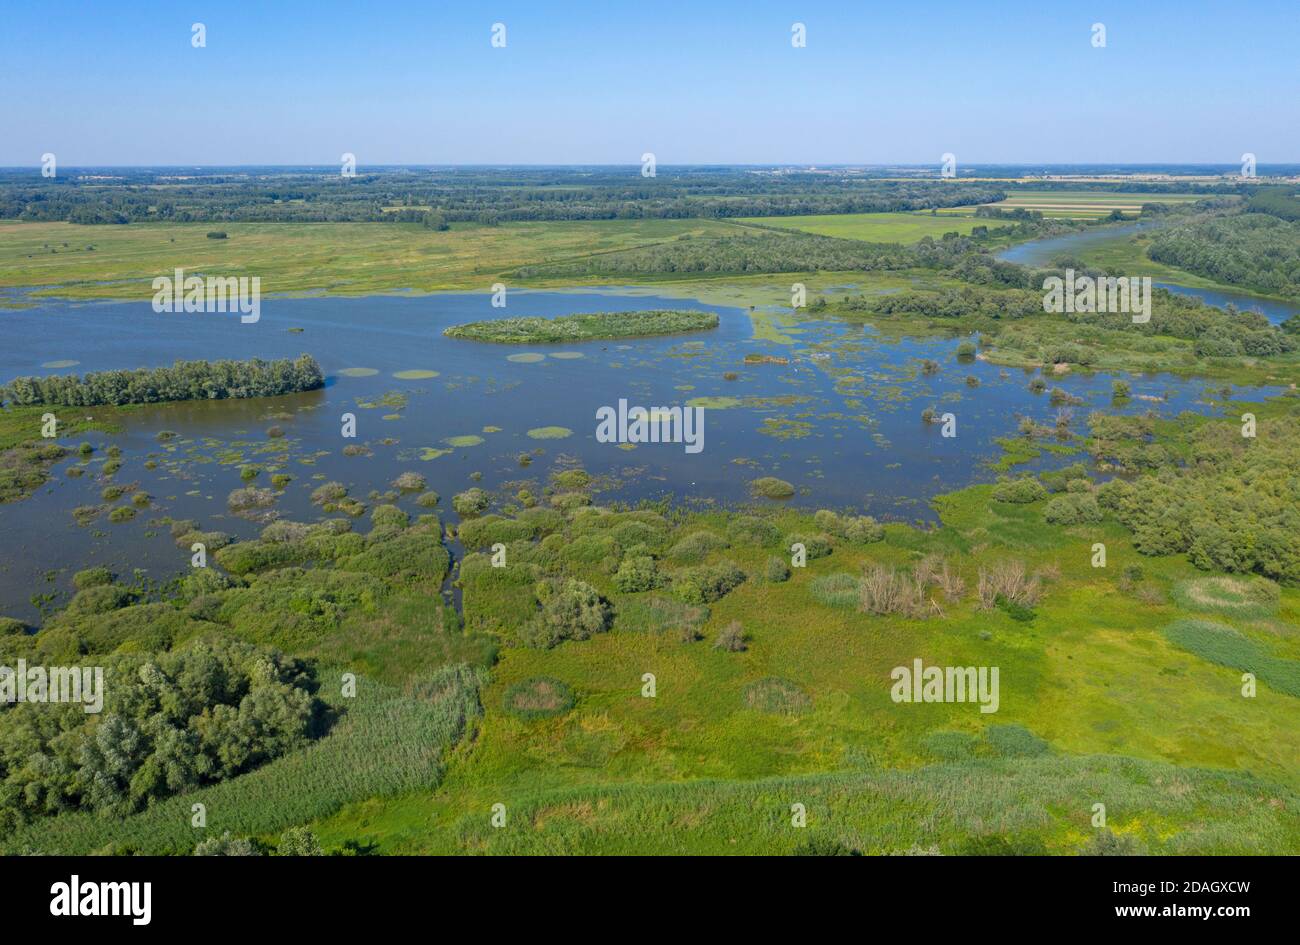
(336, 258)
(1224, 646)
(877, 227)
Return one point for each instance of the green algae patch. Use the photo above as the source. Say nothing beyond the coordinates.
(469, 439)
(432, 452)
(56, 365)
(549, 433)
(527, 357)
(567, 355)
(417, 375)
(714, 403)
(358, 372)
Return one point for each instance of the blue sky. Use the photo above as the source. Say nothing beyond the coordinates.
(703, 82)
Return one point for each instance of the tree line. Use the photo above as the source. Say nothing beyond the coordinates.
(184, 380)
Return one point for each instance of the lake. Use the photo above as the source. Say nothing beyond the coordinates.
(840, 419)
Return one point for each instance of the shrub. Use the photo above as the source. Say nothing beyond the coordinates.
(769, 487)
(299, 841)
(707, 583)
(1073, 509)
(638, 574)
(389, 516)
(966, 350)
(409, 482)
(328, 492)
(1009, 580)
(427, 500)
(571, 610)
(471, 502)
(92, 577)
(696, 546)
(817, 546)
(777, 570)
(226, 845)
(731, 638)
(752, 530)
(884, 590)
(1019, 491)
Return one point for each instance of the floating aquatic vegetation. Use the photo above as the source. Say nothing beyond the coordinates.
(526, 357)
(469, 439)
(395, 399)
(785, 429)
(55, 365)
(714, 403)
(358, 372)
(432, 452)
(550, 433)
(416, 375)
(567, 355)
(491, 429)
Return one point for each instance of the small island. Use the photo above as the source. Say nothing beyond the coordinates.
(593, 326)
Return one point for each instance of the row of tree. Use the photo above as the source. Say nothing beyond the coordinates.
(184, 380)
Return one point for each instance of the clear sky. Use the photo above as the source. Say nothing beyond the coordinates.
(286, 82)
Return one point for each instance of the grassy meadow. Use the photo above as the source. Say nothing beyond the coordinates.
(331, 258)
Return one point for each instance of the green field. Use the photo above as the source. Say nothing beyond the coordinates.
(878, 227)
(335, 258)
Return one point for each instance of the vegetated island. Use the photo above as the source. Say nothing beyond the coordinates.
(591, 326)
(184, 380)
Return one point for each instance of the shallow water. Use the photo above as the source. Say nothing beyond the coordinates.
(840, 420)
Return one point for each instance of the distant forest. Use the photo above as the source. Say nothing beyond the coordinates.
(437, 198)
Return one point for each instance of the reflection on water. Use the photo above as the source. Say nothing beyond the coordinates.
(832, 408)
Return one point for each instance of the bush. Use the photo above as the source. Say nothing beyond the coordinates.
(471, 502)
(696, 546)
(752, 530)
(638, 574)
(1019, 491)
(777, 570)
(571, 610)
(409, 482)
(328, 492)
(707, 583)
(731, 638)
(299, 841)
(1073, 509)
(769, 487)
(92, 577)
(817, 546)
